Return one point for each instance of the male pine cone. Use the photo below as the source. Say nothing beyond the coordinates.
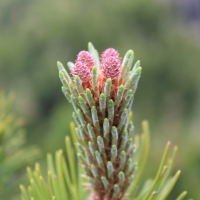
(101, 92)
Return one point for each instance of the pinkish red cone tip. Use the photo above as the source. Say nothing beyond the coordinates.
(86, 58)
(110, 52)
(83, 66)
(110, 64)
(81, 69)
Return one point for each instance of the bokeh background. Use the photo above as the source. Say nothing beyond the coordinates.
(165, 36)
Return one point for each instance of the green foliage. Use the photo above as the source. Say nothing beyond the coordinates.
(13, 154)
(66, 181)
(64, 177)
(161, 186)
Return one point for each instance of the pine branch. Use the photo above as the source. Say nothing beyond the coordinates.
(102, 98)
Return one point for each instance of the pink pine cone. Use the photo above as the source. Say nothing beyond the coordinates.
(81, 69)
(83, 66)
(86, 58)
(110, 63)
(110, 52)
(111, 67)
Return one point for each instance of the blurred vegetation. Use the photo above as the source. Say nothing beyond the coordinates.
(14, 156)
(35, 34)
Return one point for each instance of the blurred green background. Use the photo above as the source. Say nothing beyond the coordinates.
(34, 34)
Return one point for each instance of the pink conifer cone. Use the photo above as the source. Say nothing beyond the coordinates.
(83, 66)
(81, 69)
(110, 52)
(110, 64)
(86, 57)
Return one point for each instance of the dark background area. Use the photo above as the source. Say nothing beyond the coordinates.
(165, 36)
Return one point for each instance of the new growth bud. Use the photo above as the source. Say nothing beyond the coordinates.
(110, 52)
(110, 64)
(83, 66)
